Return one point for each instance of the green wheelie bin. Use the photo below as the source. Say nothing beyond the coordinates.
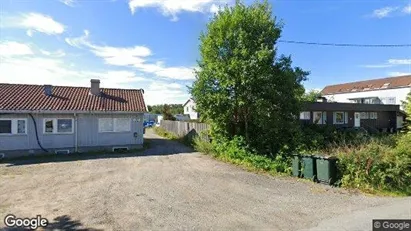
(296, 165)
(309, 167)
(326, 169)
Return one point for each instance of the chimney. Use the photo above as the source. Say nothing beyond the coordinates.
(48, 90)
(95, 87)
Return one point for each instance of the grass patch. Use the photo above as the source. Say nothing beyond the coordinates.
(171, 136)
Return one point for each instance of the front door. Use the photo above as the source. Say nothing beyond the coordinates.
(357, 119)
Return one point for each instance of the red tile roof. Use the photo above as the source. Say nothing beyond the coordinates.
(32, 97)
(368, 85)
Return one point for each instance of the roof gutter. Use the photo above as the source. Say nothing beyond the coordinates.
(70, 112)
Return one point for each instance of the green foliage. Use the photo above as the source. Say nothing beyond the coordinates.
(242, 88)
(237, 152)
(407, 109)
(166, 112)
(377, 166)
(311, 96)
(173, 108)
(314, 137)
(171, 136)
(203, 146)
(164, 133)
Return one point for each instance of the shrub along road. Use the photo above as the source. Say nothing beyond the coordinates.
(180, 190)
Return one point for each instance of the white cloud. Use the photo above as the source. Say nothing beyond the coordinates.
(10, 48)
(174, 7)
(377, 66)
(159, 92)
(389, 63)
(22, 65)
(35, 22)
(407, 9)
(400, 61)
(398, 73)
(68, 2)
(132, 57)
(214, 9)
(58, 53)
(384, 12)
(391, 11)
(29, 33)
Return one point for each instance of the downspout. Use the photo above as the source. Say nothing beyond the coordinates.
(37, 134)
(76, 133)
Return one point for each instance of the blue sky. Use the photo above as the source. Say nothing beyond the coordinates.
(153, 44)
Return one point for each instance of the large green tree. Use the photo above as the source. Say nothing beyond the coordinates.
(311, 96)
(242, 87)
(173, 108)
(407, 109)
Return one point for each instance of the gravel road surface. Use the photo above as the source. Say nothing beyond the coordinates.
(170, 187)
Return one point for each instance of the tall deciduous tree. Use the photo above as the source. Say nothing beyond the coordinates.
(407, 109)
(311, 96)
(242, 87)
(166, 112)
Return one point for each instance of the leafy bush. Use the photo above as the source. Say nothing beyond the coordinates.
(164, 133)
(203, 146)
(237, 152)
(314, 137)
(377, 166)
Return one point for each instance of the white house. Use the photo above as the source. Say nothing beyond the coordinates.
(392, 90)
(189, 109)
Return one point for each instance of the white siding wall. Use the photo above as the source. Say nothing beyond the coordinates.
(400, 94)
(88, 134)
(188, 110)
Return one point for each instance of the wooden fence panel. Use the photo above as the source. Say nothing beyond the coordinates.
(182, 128)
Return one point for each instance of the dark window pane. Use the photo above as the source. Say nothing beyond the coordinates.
(21, 126)
(64, 125)
(5, 126)
(49, 126)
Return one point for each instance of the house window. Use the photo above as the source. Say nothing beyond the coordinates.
(318, 117)
(13, 126)
(305, 115)
(58, 126)
(339, 117)
(21, 126)
(114, 124)
(5, 126)
(365, 115)
(391, 100)
(373, 115)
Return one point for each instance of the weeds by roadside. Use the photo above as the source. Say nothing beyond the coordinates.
(382, 165)
(171, 136)
(235, 152)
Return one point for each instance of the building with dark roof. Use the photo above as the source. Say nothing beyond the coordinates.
(391, 91)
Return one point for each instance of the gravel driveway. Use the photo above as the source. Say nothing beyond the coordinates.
(171, 187)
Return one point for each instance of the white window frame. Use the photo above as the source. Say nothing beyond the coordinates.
(305, 115)
(343, 117)
(115, 129)
(365, 115)
(374, 115)
(391, 100)
(14, 127)
(55, 126)
(321, 121)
